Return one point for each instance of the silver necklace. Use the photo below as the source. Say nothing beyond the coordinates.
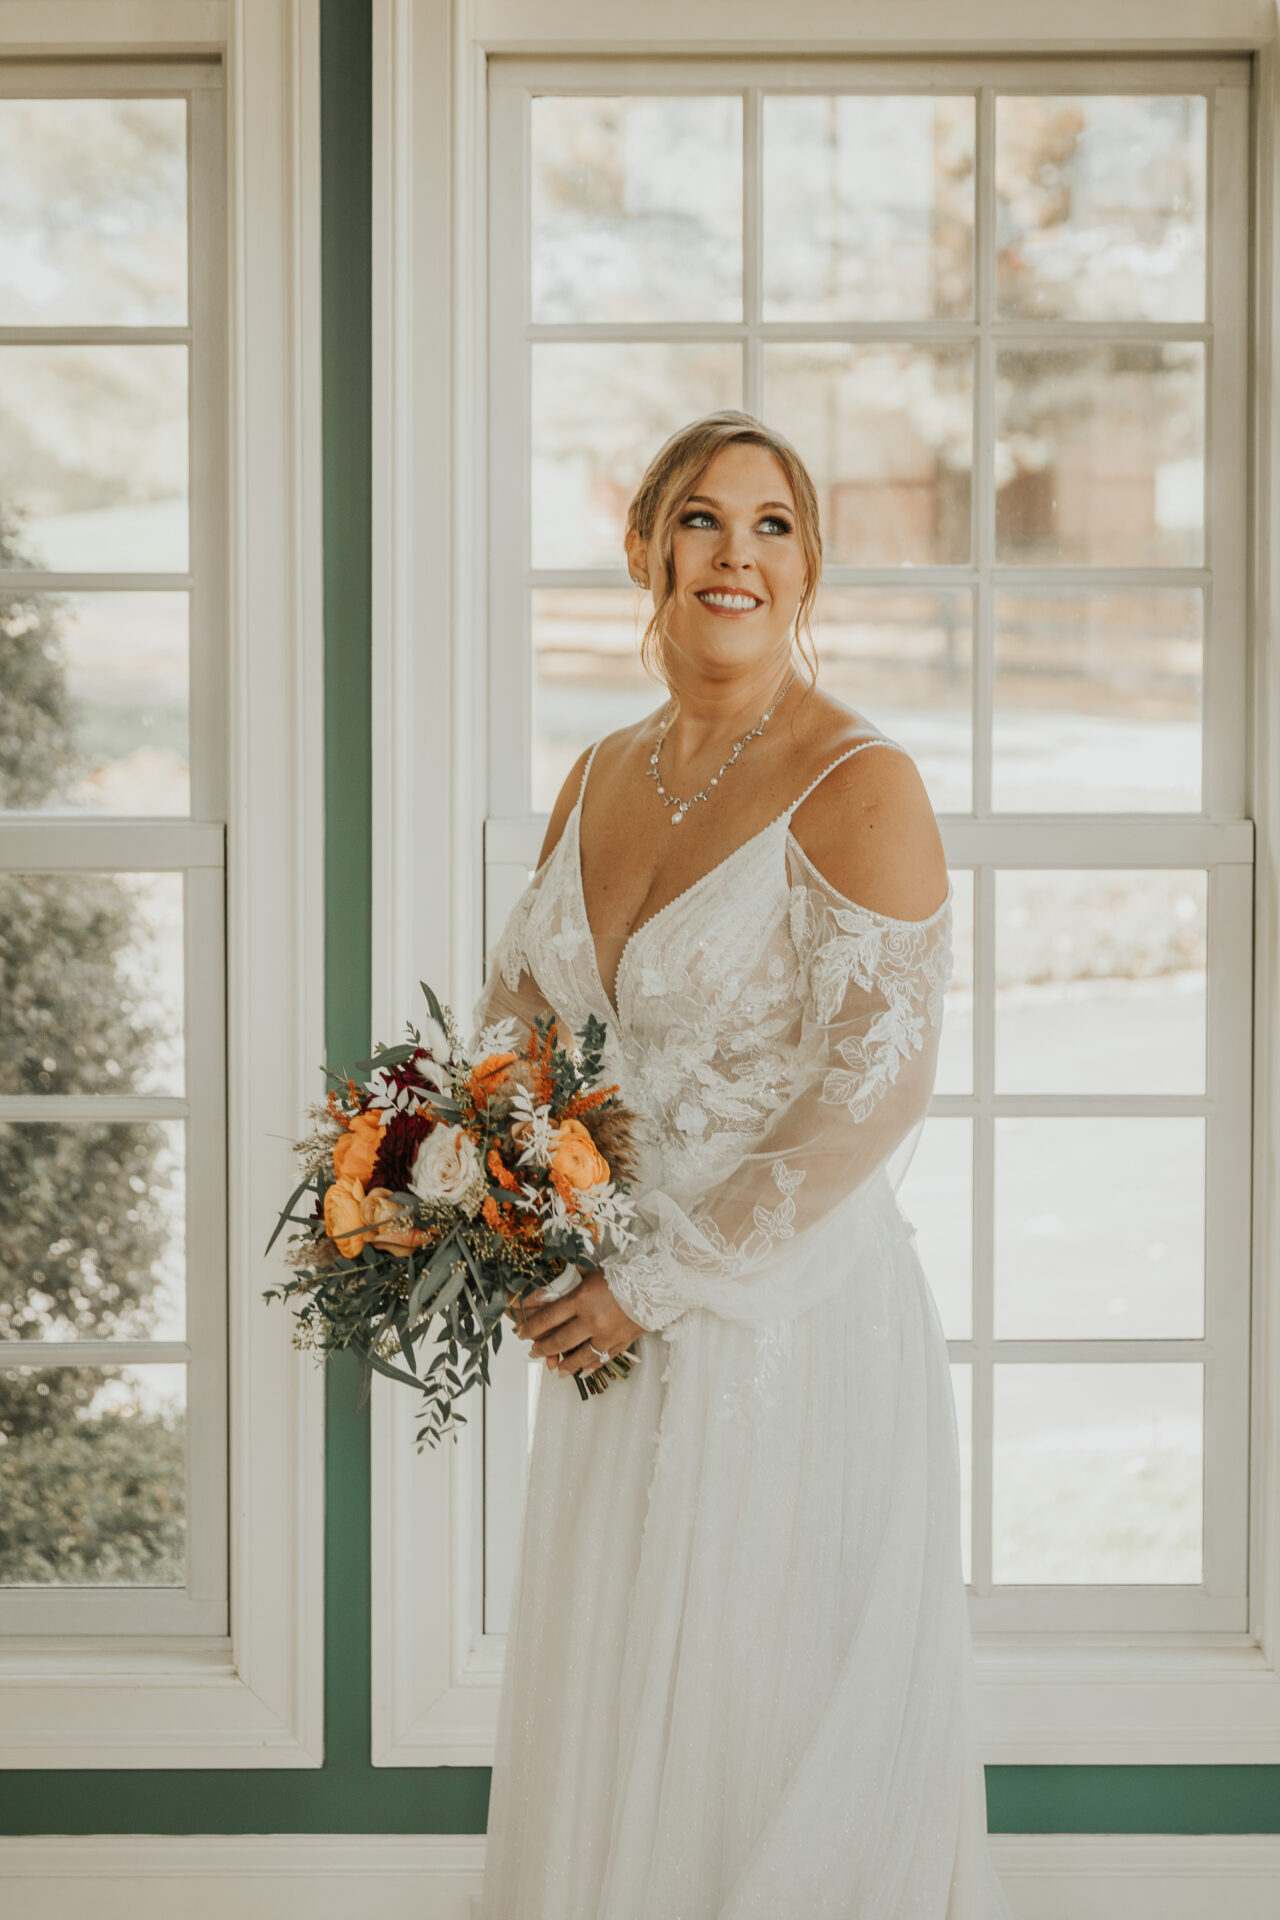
(682, 806)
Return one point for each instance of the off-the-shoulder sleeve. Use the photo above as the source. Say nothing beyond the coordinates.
(510, 991)
(859, 1089)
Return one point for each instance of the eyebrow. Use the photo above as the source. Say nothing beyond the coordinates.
(708, 500)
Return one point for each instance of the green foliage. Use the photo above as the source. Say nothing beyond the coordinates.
(92, 1501)
(37, 745)
(80, 1202)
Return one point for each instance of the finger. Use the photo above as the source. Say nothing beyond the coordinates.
(543, 1320)
(570, 1333)
(581, 1359)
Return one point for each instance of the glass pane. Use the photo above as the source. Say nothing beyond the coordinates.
(600, 413)
(637, 209)
(587, 678)
(887, 432)
(93, 458)
(1100, 981)
(1100, 207)
(955, 1049)
(91, 973)
(92, 1476)
(868, 207)
(91, 1213)
(905, 660)
(1100, 454)
(962, 1391)
(937, 1197)
(1097, 1473)
(96, 691)
(1098, 702)
(93, 213)
(1099, 1227)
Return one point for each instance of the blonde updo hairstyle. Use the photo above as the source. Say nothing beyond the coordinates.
(673, 474)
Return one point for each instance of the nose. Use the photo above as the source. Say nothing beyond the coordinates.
(735, 554)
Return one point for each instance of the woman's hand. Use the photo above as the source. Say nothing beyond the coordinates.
(563, 1327)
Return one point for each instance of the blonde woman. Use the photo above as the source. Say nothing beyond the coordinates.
(739, 1680)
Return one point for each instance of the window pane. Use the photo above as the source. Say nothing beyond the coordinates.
(1100, 981)
(93, 458)
(91, 972)
(905, 660)
(1100, 207)
(92, 1476)
(600, 413)
(962, 1392)
(887, 432)
(1099, 1227)
(937, 1196)
(588, 680)
(92, 1217)
(637, 209)
(95, 718)
(1097, 1473)
(1100, 454)
(868, 207)
(93, 212)
(1098, 702)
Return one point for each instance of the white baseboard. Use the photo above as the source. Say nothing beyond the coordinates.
(1079, 1876)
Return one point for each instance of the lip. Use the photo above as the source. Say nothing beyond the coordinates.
(730, 613)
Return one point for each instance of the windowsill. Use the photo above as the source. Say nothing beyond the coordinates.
(83, 1657)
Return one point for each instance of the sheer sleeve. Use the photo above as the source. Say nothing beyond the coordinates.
(858, 1084)
(510, 993)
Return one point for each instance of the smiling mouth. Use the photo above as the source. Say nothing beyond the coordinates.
(730, 602)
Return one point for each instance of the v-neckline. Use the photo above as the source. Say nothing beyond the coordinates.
(733, 853)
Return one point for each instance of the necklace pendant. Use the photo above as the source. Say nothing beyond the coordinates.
(677, 816)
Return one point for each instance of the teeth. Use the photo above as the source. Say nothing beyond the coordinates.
(734, 600)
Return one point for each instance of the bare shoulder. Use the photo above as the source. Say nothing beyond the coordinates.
(869, 828)
(564, 806)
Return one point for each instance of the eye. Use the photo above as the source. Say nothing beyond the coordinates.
(776, 520)
(695, 514)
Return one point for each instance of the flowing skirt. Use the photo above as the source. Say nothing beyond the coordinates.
(739, 1679)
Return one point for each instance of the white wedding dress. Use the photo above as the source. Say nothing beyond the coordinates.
(738, 1679)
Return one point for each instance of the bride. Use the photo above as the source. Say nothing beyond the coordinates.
(738, 1680)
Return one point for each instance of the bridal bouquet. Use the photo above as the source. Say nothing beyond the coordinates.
(445, 1190)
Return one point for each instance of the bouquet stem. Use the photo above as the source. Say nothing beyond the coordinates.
(615, 1368)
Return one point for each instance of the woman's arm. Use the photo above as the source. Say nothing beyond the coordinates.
(874, 974)
(510, 991)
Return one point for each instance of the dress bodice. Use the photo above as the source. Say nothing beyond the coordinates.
(755, 987)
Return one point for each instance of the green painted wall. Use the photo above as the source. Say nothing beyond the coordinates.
(347, 1795)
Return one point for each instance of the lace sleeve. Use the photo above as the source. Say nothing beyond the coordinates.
(857, 1095)
(510, 992)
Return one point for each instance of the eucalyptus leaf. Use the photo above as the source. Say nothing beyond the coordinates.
(285, 1214)
(384, 1367)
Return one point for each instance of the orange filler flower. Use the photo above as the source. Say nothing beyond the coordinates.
(488, 1075)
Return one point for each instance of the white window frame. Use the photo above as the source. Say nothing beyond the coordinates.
(118, 1680)
(194, 849)
(1142, 1694)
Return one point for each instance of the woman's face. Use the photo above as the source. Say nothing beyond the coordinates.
(739, 568)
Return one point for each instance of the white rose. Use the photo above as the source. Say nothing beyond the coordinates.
(447, 1167)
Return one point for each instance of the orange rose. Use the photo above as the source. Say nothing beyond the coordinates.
(489, 1075)
(379, 1205)
(342, 1212)
(577, 1159)
(356, 1151)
